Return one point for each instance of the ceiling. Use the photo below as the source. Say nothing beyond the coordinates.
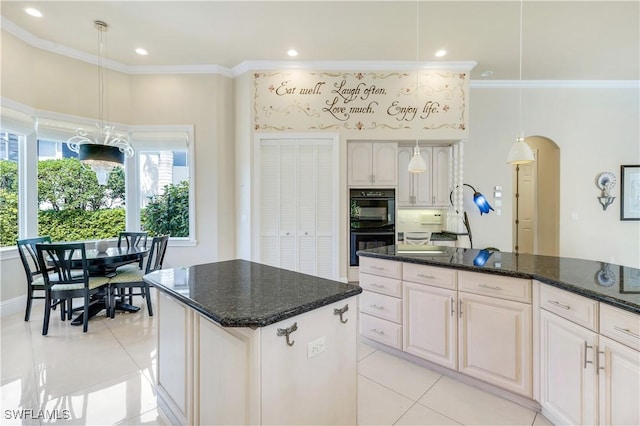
(562, 40)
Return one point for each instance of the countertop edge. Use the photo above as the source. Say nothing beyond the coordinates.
(254, 323)
(621, 304)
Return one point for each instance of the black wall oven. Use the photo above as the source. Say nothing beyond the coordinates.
(372, 222)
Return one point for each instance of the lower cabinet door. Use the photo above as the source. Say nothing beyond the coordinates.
(567, 371)
(619, 383)
(430, 323)
(495, 338)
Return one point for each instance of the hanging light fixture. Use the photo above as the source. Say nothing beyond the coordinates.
(520, 152)
(106, 149)
(417, 163)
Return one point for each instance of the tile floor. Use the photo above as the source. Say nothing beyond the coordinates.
(106, 376)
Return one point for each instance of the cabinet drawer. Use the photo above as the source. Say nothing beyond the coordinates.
(621, 326)
(385, 268)
(381, 331)
(381, 306)
(509, 288)
(421, 274)
(383, 285)
(573, 307)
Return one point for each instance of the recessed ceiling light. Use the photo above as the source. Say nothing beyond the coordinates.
(33, 12)
(292, 52)
(141, 51)
(440, 53)
(486, 74)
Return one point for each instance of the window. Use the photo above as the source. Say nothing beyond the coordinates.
(9, 196)
(72, 205)
(164, 176)
(45, 190)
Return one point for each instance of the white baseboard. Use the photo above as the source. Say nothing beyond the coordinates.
(12, 306)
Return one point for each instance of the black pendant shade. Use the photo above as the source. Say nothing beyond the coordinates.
(96, 152)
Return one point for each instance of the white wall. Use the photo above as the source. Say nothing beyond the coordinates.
(64, 85)
(597, 130)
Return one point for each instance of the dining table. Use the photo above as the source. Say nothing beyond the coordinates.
(105, 264)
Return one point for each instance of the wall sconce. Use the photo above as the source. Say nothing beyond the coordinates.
(606, 181)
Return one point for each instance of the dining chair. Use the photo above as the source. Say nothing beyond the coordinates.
(130, 276)
(35, 281)
(63, 281)
(133, 239)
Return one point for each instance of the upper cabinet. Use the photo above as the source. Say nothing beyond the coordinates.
(372, 164)
(429, 189)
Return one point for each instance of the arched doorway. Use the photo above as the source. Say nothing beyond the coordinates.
(536, 227)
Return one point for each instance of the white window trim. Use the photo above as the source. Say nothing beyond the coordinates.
(56, 126)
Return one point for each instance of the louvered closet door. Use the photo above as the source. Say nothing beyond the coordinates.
(326, 212)
(288, 207)
(297, 206)
(270, 210)
(307, 209)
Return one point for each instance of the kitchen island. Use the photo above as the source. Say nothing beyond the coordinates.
(558, 334)
(244, 343)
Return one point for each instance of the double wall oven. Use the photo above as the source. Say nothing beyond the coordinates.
(373, 224)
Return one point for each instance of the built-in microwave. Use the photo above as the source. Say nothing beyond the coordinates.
(372, 209)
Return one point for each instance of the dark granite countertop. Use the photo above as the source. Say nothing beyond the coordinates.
(608, 283)
(239, 293)
(443, 236)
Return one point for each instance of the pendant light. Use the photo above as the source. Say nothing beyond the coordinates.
(520, 152)
(106, 149)
(417, 163)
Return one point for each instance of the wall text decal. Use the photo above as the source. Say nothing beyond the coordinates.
(304, 100)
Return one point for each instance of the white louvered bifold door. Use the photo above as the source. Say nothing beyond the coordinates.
(297, 205)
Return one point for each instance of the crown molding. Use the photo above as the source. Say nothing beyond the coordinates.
(555, 84)
(248, 66)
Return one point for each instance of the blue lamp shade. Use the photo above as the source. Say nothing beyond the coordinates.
(482, 257)
(482, 203)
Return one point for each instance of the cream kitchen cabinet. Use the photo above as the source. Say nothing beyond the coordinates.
(381, 301)
(495, 330)
(430, 323)
(484, 331)
(567, 371)
(429, 189)
(372, 164)
(589, 362)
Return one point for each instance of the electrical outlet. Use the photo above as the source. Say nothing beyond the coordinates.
(316, 347)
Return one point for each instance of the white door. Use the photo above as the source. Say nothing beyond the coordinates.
(567, 371)
(526, 208)
(619, 383)
(298, 205)
(495, 341)
(430, 323)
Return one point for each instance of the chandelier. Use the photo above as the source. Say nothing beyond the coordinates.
(105, 149)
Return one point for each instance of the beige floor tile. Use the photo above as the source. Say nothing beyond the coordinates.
(402, 376)
(421, 415)
(110, 402)
(17, 393)
(364, 350)
(81, 370)
(378, 405)
(541, 420)
(471, 406)
(152, 417)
